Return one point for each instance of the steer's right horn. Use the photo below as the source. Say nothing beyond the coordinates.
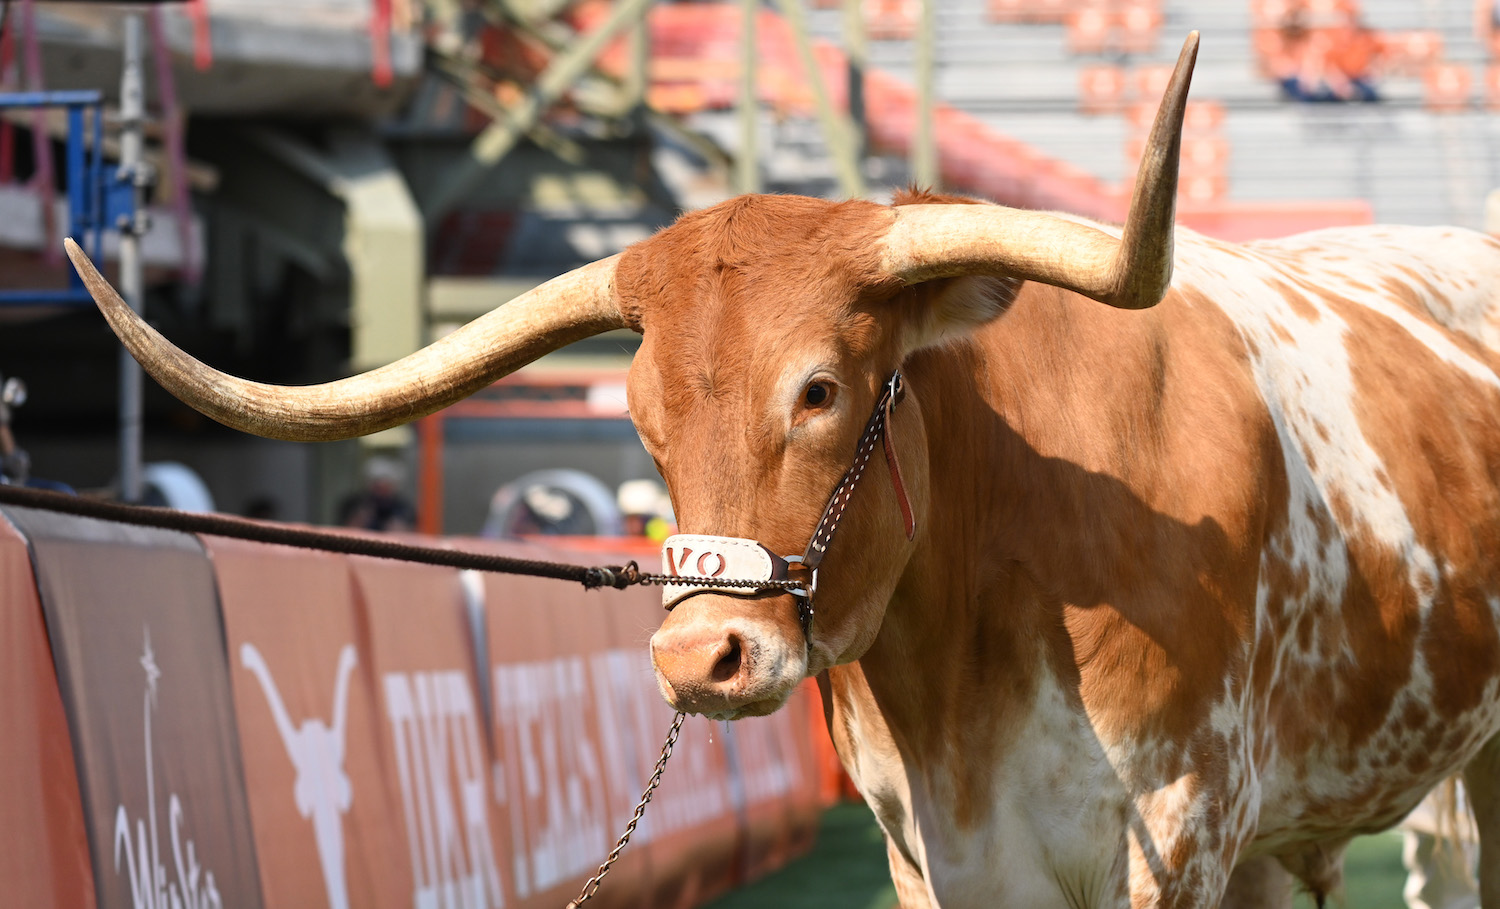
(930, 241)
(566, 309)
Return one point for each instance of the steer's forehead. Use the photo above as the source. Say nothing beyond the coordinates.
(754, 261)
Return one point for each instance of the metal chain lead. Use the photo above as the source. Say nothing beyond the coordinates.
(591, 886)
(662, 580)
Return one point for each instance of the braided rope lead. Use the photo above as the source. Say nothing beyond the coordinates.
(591, 886)
(340, 541)
(617, 577)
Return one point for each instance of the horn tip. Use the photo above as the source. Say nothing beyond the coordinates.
(1190, 47)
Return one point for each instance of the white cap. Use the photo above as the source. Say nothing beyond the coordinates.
(639, 497)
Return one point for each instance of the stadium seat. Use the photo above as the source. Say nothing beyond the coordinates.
(1008, 10)
(1410, 52)
(1101, 89)
(1051, 11)
(1447, 87)
(891, 20)
(1089, 30)
(1150, 83)
(1138, 25)
(1270, 14)
(1492, 86)
(1202, 187)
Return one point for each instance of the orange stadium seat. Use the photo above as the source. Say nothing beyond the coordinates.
(1138, 24)
(1202, 187)
(1492, 86)
(1089, 30)
(1008, 10)
(1150, 84)
(1410, 52)
(1270, 13)
(1101, 89)
(1205, 154)
(1051, 11)
(1202, 117)
(887, 20)
(1447, 86)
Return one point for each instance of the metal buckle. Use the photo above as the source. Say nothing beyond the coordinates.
(897, 387)
(804, 592)
(804, 597)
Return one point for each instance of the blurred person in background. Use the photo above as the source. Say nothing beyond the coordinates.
(1352, 58)
(1335, 61)
(645, 509)
(558, 501)
(380, 505)
(15, 463)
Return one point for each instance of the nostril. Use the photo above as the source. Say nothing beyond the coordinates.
(728, 665)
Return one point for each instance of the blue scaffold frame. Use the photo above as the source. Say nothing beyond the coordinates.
(99, 198)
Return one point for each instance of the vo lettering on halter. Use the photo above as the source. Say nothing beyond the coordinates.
(710, 564)
(701, 558)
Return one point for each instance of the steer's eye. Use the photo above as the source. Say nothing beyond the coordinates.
(817, 394)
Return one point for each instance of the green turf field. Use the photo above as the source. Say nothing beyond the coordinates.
(847, 870)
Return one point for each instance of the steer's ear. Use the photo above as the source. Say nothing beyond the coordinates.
(946, 310)
(940, 312)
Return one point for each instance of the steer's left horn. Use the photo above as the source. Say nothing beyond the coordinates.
(926, 242)
(566, 309)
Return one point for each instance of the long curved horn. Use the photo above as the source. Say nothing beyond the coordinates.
(946, 241)
(568, 308)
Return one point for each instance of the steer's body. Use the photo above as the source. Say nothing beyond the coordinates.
(1215, 579)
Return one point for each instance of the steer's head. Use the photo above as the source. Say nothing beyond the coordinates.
(769, 326)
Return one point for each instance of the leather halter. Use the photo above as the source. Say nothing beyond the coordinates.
(742, 567)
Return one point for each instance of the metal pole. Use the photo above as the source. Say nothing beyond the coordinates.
(924, 158)
(640, 61)
(497, 139)
(857, 51)
(837, 132)
(132, 113)
(747, 161)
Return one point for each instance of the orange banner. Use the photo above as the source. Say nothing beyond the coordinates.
(324, 803)
(433, 732)
(759, 774)
(693, 825)
(571, 671)
(137, 640)
(405, 734)
(44, 855)
(573, 769)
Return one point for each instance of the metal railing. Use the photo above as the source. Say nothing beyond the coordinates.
(98, 198)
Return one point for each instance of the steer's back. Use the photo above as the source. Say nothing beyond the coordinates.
(1375, 657)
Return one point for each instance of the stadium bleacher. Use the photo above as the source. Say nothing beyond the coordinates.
(1427, 152)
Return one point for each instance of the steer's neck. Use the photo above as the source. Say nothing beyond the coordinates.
(1039, 492)
(964, 627)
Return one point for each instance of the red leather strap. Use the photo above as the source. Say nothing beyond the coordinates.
(895, 466)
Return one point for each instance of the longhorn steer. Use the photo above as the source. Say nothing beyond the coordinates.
(1191, 587)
